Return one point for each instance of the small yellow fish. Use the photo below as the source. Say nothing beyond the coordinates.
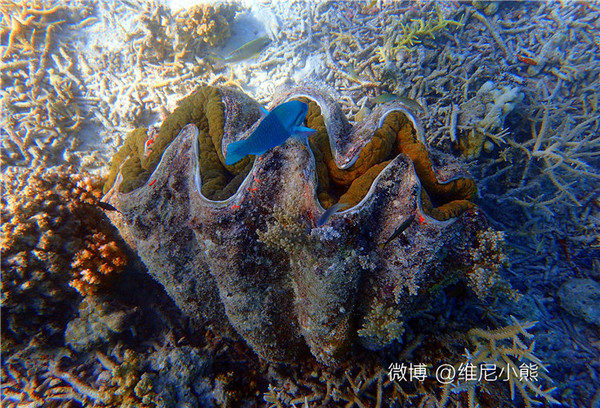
(248, 50)
(362, 114)
(352, 71)
(389, 97)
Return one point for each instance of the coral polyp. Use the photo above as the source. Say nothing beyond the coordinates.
(238, 247)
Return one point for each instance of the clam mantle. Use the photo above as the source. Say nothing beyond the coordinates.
(238, 249)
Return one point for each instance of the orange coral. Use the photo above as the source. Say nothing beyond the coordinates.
(97, 264)
(51, 221)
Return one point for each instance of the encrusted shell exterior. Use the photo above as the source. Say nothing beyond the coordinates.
(258, 263)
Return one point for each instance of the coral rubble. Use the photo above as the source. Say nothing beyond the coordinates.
(41, 112)
(247, 253)
(98, 322)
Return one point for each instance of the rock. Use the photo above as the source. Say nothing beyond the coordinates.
(184, 377)
(99, 322)
(581, 298)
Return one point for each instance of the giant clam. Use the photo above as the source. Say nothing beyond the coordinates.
(238, 247)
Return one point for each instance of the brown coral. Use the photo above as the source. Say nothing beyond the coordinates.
(50, 220)
(210, 23)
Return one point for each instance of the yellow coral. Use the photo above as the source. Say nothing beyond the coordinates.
(411, 34)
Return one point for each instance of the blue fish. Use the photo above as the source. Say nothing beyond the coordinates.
(280, 124)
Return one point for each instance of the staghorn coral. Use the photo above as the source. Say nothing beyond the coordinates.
(284, 285)
(406, 35)
(41, 113)
(120, 381)
(504, 348)
(51, 222)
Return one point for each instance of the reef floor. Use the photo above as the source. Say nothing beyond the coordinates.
(508, 88)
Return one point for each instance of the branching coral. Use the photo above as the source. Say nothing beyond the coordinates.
(163, 35)
(95, 265)
(153, 39)
(551, 171)
(405, 36)
(363, 385)
(564, 152)
(483, 116)
(123, 383)
(512, 360)
(51, 221)
(129, 384)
